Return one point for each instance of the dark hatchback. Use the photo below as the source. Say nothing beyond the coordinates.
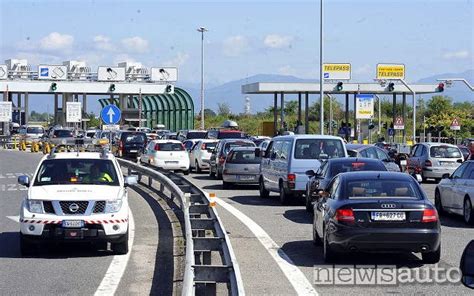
(376, 212)
(130, 144)
(332, 167)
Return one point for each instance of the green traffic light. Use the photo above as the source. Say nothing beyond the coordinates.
(54, 86)
(391, 86)
(339, 86)
(112, 87)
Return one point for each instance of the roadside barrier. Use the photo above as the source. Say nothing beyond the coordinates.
(205, 235)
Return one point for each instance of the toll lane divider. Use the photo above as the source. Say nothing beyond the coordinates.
(206, 237)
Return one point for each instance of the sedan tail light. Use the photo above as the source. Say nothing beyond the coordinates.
(157, 147)
(429, 215)
(428, 163)
(345, 215)
(121, 145)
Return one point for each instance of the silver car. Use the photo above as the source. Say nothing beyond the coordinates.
(370, 151)
(433, 160)
(455, 193)
(241, 166)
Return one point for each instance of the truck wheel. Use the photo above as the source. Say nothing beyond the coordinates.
(26, 248)
(264, 193)
(284, 198)
(120, 248)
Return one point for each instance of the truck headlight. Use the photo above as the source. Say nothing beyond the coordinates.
(113, 206)
(35, 206)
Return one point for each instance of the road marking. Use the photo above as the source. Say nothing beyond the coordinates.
(117, 267)
(14, 218)
(297, 279)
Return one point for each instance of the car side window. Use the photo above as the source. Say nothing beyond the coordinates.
(413, 151)
(419, 151)
(334, 187)
(363, 153)
(459, 171)
(285, 149)
(276, 150)
(469, 172)
(381, 155)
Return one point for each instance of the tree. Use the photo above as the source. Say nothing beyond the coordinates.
(208, 113)
(223, 109)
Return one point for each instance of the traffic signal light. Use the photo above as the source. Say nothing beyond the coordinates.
(169, 88)
(339, 86)
(334, 124)
(371, 126)
(440, 87)
(391, 86)
(54, 86)
(385, 125)
(112, 87)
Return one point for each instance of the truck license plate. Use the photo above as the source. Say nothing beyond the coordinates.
(73, 223)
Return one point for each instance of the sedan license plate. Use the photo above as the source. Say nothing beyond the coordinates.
(133, 151)
(403, 162)
(388, 216)
(73, 223)
(171, 162)
(246, 178)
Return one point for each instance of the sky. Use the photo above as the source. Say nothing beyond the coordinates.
(245, 37)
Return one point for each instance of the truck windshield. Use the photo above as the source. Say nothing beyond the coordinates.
(76, 171)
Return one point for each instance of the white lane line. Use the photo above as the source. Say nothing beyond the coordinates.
(297, 279)
(117, 267)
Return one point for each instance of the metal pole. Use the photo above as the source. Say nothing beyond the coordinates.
(404, 102)
(202, 30)
(457, 79)
(347, 134)
(275, 114)
(140, 108)
(414, 108)
(299, 109)
(379, 130)
(330, 115)
(321, 80)
(306, 112)
(282, 114)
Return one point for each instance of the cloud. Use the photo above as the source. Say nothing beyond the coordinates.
(461, 54)
(235, 46)
(103, 43)
(56, 41)
(177, 61)
(135, 44)
(277, 41)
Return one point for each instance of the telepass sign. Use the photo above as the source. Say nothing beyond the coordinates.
(390, 71)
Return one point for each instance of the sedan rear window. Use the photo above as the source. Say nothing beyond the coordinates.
(169, 147)
(135, 138)
(62, 134)
(35, 130)
(445, 152)
(196, 135)
(243, 157)
(229, 146)
(231, 135)
(381, 188)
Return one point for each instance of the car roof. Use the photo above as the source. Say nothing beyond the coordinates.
(236, 140)
(352, 159)
(382, 175)
(430, 144)
(166, 141)
(244, 148)
(314, 136)
(358, 146)
(80, 155)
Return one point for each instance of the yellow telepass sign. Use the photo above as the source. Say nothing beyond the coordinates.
(337, 71)
(390, 71)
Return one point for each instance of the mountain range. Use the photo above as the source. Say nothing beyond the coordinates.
(230, 93)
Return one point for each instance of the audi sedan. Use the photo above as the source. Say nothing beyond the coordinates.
(376, 212)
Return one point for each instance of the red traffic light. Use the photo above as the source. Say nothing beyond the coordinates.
(440, 87)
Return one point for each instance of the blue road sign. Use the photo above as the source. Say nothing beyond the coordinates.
(326, 75)
(44, 72)
(391, 132)
(110, 114)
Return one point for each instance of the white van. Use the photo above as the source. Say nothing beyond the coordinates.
(287, 158)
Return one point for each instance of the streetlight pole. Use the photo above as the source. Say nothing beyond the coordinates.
(414, 107)
(202, 30)
(321, 78)
(380, 117)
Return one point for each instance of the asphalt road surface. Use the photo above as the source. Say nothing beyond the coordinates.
(81, 269)
(252, 222)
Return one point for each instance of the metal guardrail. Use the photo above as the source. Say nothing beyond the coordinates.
(204, 232)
